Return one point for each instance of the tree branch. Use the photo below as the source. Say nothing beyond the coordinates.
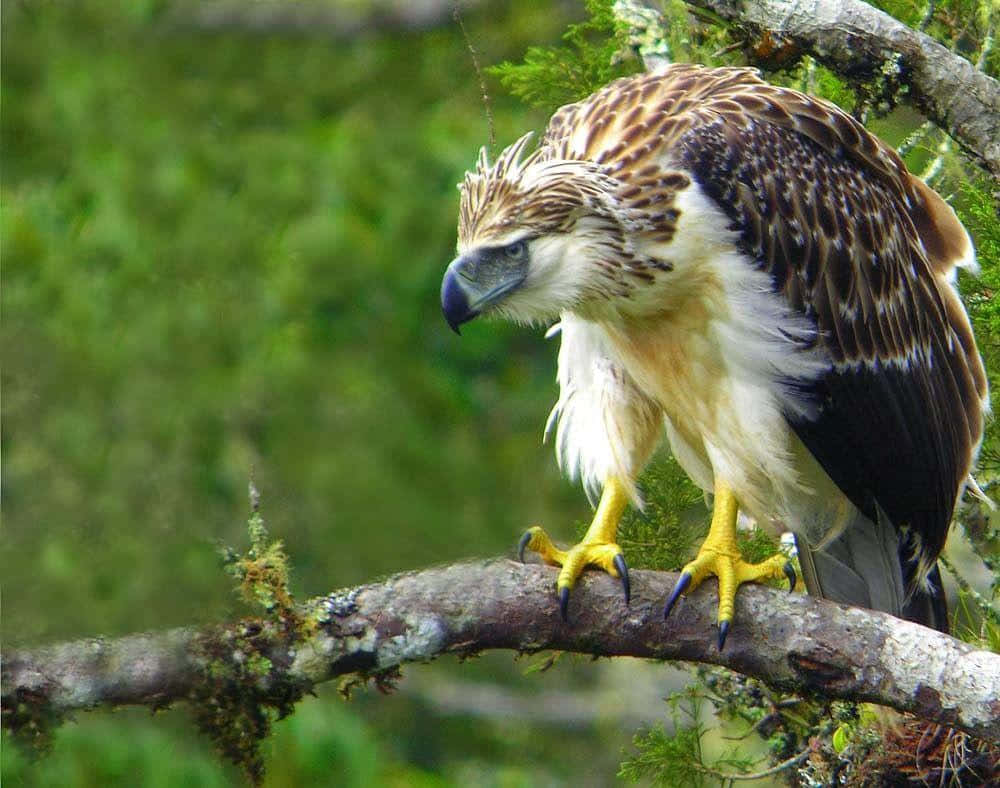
(866, 46)
(791, 641)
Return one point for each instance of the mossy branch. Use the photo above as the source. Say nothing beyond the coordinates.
(791, 641)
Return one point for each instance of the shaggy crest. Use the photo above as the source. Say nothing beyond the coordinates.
(534, 192)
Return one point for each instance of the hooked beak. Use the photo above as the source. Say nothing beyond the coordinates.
(474, 282)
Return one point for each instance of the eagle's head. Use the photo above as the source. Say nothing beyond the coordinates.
(540, 235)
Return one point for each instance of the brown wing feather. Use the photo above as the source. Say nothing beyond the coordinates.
(868, 251)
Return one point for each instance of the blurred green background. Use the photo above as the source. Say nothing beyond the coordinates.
(222, 252)
(224, 226)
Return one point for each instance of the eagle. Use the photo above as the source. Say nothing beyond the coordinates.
(747, 270)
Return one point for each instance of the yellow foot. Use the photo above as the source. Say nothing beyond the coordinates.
(732, 572)
(603, 554)
(720, 556)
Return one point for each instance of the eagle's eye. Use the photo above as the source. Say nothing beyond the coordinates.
(515, 250)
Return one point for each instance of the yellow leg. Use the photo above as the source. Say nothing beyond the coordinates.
(598, 547)
(720, 556)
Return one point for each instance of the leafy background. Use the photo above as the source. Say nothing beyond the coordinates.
(221, 257)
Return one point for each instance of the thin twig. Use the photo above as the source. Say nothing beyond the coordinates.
(780, 767)
(457, 14)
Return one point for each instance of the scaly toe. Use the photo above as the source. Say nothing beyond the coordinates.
(732, 572)
(536, 540)
(604, 555)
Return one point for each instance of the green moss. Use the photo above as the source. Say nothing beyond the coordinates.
(384, 681)
(263, 572)
(243, 690)
(31, 721)
(244, 686)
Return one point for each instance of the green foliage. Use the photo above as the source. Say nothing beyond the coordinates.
(593, 54)
(668, 760)
(672, 523)
(222, 253)
(819, 743)
(811, 77)
(211, 267)
(979, 208)
(31, 721)
(677, 759)
(240, 696)
(976, 621)
(756, 545)
(322, 743)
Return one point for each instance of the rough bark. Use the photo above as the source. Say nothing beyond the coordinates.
(793, 642)
(868, 47)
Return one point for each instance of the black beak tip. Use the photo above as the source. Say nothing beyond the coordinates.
(455, 303)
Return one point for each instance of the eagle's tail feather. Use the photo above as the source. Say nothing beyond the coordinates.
(862, 567)
(927, 604)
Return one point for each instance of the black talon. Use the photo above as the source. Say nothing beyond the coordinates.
(523, 544)
(564, 603)
(723, 631)
(790, 574)
(682, 583)
(622, 567)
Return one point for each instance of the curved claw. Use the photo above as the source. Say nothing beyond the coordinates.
(790, 574)
(723, 632)
(622, 567)
(564, 603)
(522, 544)
(682, 585)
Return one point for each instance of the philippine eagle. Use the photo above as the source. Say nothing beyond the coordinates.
(750, 269)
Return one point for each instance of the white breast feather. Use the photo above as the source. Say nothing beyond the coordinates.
(603, 423)
(718, 381)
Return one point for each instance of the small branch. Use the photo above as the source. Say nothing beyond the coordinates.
(793, 642)
(865, 45)
(795, 760)
(487, 107)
